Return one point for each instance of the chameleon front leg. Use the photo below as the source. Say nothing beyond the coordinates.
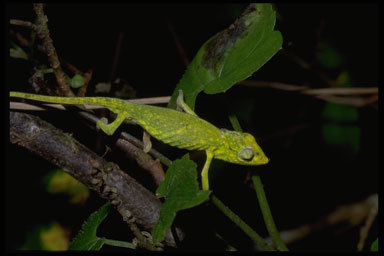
(182, 105)
(204, 172)
(111, 128)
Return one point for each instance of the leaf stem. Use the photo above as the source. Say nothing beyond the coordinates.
(267, 215)
(118, 243)
(235, 123)
(241, 224)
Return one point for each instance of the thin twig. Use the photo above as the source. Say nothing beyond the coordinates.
(179, 46)
(372, 214)
(273, 85)
(143, 241)
(351, 214)
(307, 66)
(86, 75)
(241, 224)
(334, 95)
(267, 215)
(138, 143)
(342, 91)
(351, 101)
(23, 23)
(43, 33)
(116, 57)
(22, 40)
(144, 160)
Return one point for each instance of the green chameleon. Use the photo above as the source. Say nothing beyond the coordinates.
(176, 128)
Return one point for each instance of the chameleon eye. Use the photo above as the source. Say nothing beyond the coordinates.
(247, 154)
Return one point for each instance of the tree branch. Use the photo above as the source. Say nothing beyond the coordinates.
(42, 32)
(128, 197)
(143, 159)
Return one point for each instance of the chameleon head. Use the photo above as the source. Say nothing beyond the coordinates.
(240, 148)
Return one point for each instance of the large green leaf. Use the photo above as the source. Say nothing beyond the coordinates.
(181, 189)
(86, 239)
(231, 55)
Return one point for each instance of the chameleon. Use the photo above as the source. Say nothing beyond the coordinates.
(179, 129)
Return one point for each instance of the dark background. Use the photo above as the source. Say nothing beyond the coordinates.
(306, 178)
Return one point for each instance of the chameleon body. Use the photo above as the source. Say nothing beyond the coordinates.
(176, 128)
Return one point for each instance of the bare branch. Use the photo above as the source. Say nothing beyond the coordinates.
(338, 95)
(374, 202)
(342, 91)
(351, 215)
(144, 160)
(128, 197)
(42, 32)
(351, 101)
(23, 23)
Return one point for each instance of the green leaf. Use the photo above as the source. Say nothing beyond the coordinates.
(375, 245)
(231, 55)
(17, 52)
(181, 189)
(86, 239)
(77, 81)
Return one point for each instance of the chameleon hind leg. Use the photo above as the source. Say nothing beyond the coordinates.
(182, 105)
(204, 172)
(112, 127)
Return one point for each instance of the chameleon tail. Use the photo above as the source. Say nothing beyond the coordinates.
(101, 101)
(116, 105)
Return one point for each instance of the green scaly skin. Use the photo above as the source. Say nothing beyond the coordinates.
(178, 129)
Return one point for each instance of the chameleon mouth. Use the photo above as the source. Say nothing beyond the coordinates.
(263, 160)
(266, 160)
